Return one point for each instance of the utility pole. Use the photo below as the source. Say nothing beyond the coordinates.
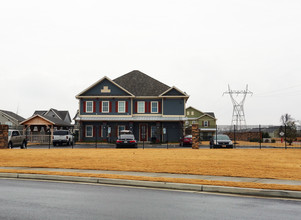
(238, 115)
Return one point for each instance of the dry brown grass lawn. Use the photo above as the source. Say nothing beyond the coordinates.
(266, 163)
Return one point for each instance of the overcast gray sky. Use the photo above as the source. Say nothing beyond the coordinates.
(52, 50)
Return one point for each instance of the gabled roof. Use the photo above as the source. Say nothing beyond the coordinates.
(12, 115)
(60, 114)
(52, 120)
(56, 112)
(210, 114)
(173, 91)
(99, 81)
(140, 84)
(63, 115)
(39, 112)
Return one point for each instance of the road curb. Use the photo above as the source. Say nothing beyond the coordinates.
(161, 185)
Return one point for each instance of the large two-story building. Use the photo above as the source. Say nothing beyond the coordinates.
(135, 101)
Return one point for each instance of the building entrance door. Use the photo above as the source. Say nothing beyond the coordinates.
(143, 132)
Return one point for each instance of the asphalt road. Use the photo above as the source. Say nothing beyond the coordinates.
(24, 199)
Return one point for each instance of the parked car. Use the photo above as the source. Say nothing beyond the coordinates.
(221, 141)
(16, 139)
(126, 140)
(186, 141)
(61, 137)
(126, 132)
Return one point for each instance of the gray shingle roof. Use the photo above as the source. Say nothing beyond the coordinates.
(57, 121)
(210, 113)
(140, 84)
(13, 115)
(39, 112)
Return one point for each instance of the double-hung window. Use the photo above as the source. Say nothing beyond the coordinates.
(154, 107)
(121, 106)
(206, 123)
(89, 106)
(89, 131)
(105, 107)
(153, 131)
(141, 107)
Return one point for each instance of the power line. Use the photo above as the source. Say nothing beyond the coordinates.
(280, 91)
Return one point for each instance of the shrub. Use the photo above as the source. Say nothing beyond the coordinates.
(254, 140)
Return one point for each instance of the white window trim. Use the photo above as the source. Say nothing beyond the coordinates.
(143, 107)
(206, 123)
(123, 106)
(102, 105)
(87, 106)
(157, 106)
(188, 113)
(91, 126)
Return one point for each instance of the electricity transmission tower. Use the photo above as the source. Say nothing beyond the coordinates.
(238, 115)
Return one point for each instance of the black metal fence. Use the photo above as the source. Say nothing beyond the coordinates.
(253, 136)
(262, 135)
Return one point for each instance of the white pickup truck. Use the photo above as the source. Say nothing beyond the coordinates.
(16, 139)
(61, 137)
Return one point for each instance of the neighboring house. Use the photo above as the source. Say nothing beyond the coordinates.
(57, 114)
(48, 120)
(135, 101)
(11, 119)
(205, 120)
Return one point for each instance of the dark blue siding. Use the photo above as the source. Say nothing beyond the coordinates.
(148, 103)
(96, 90)
(173, 106)
(113, 104)
(174, 92)
(174, 131)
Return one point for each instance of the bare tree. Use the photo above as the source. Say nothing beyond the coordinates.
(288, 127)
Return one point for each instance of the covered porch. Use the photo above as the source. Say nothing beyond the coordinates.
(39, 129)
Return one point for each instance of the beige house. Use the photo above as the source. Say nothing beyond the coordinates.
(11, 119)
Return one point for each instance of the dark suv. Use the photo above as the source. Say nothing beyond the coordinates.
(126, 140)
(221, 141)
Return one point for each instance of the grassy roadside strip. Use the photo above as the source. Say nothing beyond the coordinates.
(160, 179)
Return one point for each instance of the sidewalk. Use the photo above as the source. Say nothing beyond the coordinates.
(165, 185)
(168, 175)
